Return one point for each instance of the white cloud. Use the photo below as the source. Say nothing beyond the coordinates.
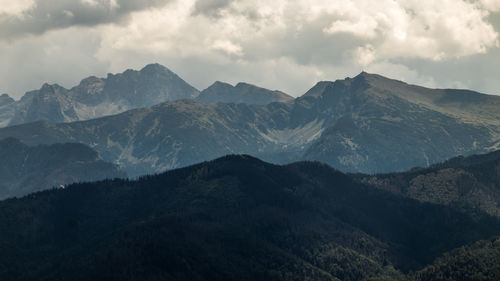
(104, 3)
(235, 40)
(365, 55)
(491, 5)
(39, 16)
(15, 8)
(228, 47)
(365, 27)
(427, 29)
(90, 2)
(387, 29)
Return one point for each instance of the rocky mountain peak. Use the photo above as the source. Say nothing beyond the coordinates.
(376, 80)
(245, 85)
(218, 86)
(89, 86)
(368, 76)
(96, 97)
(51, 88)
(162, 73)
(363, 74)
(155, 68)
(90, 81)
(6, 99)
(357, 85)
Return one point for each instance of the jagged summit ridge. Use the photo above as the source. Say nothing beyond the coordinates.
(95, 97)
(6, 99)
(368, 123)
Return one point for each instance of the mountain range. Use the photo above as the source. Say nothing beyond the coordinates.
(96, 97)
(368, 124)
(236, 218)
(25, 169)
(371, 179)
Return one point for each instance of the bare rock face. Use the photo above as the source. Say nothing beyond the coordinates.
(6, 100)
(96, 97)
(6, 109)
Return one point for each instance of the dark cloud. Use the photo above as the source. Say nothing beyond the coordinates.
(29, 62)
(307, 46)
(494, 19)
(477, 72)
(210, 8)
(47, 15)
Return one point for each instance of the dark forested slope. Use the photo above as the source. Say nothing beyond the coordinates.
(235, 218)
(470, 182)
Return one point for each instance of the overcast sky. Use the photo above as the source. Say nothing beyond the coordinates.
(278, 44)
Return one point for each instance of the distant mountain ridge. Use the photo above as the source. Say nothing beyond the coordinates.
(385, 123)
(6, 109)
(96, 97)
(368, 124)
(241, 93)
(26, 169)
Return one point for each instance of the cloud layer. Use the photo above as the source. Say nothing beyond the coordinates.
(22, 17)
(288, 45)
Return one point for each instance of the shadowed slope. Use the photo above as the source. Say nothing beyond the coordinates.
(235, 218)
(26, 169)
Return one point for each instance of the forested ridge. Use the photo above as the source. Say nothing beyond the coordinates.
(234, 218)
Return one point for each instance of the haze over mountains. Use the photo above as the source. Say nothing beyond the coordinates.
(25, 169)
(368, 124)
